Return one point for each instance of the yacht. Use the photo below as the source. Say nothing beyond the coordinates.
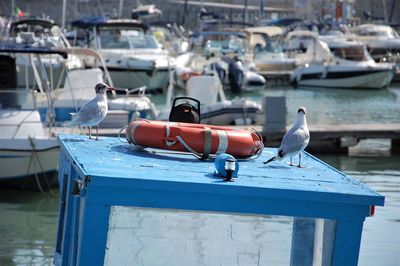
(39, 33)
(344, 63)
(133, 57)
(79, 88)
(382, 41)
(31, 116)
(28, 152)
(269, 58)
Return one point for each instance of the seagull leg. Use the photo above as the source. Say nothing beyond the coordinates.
(97, 132)
(90, 133)
(299, 161)
(291, 163)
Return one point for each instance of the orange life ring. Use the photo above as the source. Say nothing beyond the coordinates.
(200, 139)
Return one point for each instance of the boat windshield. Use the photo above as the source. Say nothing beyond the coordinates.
(127, 39)
(271, 47)
(231, 44)
(354, 53)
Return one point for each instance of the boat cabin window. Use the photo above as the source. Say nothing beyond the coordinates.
(127, 39)
(390, 33)
(270, 47)
(37, 30)
(355, 53)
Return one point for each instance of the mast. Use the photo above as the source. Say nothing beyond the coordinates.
(121, 5)
(64, 10)
(245, 11)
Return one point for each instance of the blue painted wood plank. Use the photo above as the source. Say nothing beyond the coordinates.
(347, 242)
(93, 232)
(236, 203)
(112, 163)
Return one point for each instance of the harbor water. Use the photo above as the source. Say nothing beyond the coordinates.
(29, 219)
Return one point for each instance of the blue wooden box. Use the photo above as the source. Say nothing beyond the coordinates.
(327, 207)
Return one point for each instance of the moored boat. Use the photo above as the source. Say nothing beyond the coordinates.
(133, 57)
(28, 153)
(342, 64)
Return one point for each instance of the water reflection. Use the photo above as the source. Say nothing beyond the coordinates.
(27, 229)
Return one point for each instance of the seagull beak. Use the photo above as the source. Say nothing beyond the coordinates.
(112, 91)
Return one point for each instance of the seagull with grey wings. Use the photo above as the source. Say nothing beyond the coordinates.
(295, 140)
(92, 112)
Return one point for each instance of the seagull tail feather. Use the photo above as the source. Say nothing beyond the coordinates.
(270, 160)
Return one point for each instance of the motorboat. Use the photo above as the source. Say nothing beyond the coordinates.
(55, 104)
(269, 58)
(382, 41)
(133, 57)
(28, 152)
(226, 52)
(30, 117)
(296, 43)
(39, 33)
(344, 63)
(215, 108)
(79, 88)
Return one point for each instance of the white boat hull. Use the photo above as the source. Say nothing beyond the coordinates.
(28, 154)
(17, 164)
(131, 79)
(235, 112)
(362, 78)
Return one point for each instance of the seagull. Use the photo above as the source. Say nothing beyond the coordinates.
(92, 112)
(295, 140)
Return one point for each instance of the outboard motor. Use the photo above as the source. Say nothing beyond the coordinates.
(185, 112)
(236, 75)
(220, 71)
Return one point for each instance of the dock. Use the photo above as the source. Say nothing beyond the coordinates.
(126, 206)
(324, 138)
(339, 138)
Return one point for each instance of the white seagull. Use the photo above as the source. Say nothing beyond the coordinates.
(92, 112)
(295, 140)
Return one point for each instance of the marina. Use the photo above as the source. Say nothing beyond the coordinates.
(208, 133)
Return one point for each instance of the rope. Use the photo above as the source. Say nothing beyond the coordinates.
(35, 155)
(31, 158)
(119, 134)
